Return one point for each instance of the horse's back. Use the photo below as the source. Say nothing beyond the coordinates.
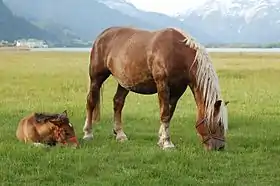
(117, 41)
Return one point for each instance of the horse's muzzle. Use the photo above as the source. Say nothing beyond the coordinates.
(73, 140)
(215, 144)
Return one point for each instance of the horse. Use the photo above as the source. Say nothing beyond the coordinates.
(166, 62)
(49, 129)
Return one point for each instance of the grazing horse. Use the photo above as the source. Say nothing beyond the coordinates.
(46, 129)
(165, 62)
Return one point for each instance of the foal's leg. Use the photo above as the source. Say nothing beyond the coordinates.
(93, 105)
(163, 95)
(119, 100)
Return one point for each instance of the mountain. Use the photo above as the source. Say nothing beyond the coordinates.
(13, 27)
(159, 20)
(87, 18)
(237, 21)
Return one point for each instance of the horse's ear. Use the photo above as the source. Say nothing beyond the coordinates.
(64, 112)
(218, 104)
(226, 102)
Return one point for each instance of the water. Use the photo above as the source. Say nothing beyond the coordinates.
(272, 50)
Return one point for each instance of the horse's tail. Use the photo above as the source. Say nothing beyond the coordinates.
(96, 110)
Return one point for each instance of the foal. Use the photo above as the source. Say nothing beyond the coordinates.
(49, 129)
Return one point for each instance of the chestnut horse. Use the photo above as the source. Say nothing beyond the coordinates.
(165, 62)
(46, 129)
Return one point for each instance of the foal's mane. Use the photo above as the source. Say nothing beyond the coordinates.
(44, 117)
(206, 79)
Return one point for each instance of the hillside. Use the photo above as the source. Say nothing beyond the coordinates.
(13, 27)
(88, 18)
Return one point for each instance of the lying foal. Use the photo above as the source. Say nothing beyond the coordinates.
(46, 129)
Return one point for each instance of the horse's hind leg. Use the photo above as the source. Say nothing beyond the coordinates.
(93, 103)
(119, 100)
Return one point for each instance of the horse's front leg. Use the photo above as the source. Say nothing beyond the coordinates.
(173, 100)
(119, 100)
(165, 115)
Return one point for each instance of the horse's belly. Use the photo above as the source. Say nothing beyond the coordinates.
(144, 87)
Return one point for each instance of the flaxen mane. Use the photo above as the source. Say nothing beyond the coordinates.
(207, 79)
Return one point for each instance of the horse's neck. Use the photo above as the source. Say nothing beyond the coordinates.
(200, 104)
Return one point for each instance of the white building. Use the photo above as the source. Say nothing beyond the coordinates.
(31, 43)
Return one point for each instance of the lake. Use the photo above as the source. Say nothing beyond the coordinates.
(274, 50)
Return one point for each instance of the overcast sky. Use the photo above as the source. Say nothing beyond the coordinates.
(165, 6)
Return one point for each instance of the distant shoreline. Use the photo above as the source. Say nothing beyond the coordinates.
(14, 48)
(83, 49)
(215, 50)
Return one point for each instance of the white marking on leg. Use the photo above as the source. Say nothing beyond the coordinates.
(160, 140)
(165, 137)
(87, 131)
(160, 130)
(121, 136)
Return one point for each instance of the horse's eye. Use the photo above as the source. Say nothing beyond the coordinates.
(66, 133)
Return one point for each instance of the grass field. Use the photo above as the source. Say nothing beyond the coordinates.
(34, 81)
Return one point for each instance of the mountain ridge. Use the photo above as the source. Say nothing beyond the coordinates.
(88, 18)
(13, 27)
(238, 21)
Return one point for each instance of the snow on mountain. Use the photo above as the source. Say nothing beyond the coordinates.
(252, 21)
(248, 9)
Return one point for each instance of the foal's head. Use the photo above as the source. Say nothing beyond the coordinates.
(63, 130)
(212, 131)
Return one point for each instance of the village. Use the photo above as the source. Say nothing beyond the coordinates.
(24, 43)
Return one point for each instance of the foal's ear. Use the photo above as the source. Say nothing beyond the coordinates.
(64, 112)
(218, 104)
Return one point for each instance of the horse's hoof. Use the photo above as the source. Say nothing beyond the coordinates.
(88, 137)
(168, 146)
(121, 138)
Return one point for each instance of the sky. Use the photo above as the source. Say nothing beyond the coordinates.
(169, 7)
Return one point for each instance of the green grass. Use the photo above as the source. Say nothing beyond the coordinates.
(57, 81)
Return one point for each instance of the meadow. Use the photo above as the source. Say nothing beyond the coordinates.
(55, 81)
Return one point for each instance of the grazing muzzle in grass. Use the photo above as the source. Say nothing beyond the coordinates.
(213, 133)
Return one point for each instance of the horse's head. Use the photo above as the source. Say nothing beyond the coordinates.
(63, 130)
(213, 131)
